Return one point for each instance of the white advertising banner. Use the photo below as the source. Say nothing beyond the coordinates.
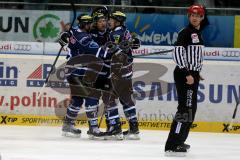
(22, 76)
(210, 53)
(32, 25)
(51, 48)
(31, 48)
(17, 47)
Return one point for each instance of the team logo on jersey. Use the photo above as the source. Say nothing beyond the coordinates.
(116, 38)
(195, 38)
(39, 75)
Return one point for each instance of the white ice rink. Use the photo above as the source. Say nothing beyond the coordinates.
(46, 143)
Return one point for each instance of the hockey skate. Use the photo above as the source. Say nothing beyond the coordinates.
(114, 133)
(179, 151)
(133, 132)
(95, 133)
(68, 130)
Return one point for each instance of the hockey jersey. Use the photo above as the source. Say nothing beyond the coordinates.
(119, 35)
(81, 43)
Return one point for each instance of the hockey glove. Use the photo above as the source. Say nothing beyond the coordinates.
(64, 38)
(125, 46)
(136, 43)
(110, 49)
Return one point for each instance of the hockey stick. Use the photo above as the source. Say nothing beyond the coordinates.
(56, 59)
(48, 76)
(101, 118)
(234, 114)
(153, 53)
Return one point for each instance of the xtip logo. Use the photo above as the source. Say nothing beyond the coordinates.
(45, 27)
(227, 129)
(39, 75)
(6, 120)
(8, 75)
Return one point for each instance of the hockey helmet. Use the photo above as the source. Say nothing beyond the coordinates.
(84, 19)
(100, 10)
(98, 16)
(118, 16)
(197, 9)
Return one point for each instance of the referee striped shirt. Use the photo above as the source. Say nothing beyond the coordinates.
(188, 52)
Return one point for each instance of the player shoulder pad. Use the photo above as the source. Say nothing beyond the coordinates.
(118, 28)
(85, 40)
(75, 27)
(93, 44)
(127, 35)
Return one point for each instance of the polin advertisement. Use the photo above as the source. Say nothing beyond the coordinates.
(21, 80)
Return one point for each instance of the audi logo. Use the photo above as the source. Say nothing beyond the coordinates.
(231, 54)
(22, 47)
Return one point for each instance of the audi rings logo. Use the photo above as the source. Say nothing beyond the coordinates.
(22, 47)
(231, 54)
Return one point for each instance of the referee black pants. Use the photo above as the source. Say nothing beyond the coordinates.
(187, 106)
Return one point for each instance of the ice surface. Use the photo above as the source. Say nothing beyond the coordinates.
(46, 143)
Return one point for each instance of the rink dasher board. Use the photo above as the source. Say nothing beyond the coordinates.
(33, 120)
(21, 77)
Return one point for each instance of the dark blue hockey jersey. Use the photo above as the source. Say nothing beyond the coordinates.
(101, 38)
(119, 35)
(81, 43)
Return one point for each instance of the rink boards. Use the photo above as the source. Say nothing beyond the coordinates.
(33, 120)
(22, 76)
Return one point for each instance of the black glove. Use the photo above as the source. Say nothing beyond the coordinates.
(125, 46)
(109, 49)
(64, 38)
(136, 43)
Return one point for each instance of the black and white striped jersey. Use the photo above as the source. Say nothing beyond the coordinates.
(189, 48)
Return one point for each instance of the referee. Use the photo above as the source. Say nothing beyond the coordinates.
(188, 56)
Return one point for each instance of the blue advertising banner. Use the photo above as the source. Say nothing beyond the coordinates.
(220, 32)
(162, 29)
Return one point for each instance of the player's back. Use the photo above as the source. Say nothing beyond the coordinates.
(81, 43)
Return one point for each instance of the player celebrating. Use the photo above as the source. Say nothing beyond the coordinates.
(81, 43)
(99, 30)
(122, 84)
(188, 55)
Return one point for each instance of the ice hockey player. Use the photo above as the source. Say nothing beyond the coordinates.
(99, 29)
(80, 43)
(122, 84)
(100, 34)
